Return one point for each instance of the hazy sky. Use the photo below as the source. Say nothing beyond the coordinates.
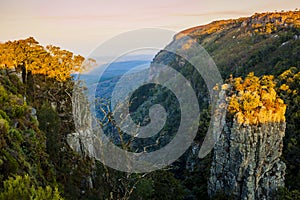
(80, 25)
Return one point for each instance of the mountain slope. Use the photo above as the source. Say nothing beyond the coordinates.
(266, 44)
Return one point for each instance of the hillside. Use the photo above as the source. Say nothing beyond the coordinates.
(266, 44)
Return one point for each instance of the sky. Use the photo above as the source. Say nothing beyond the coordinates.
(81, 25)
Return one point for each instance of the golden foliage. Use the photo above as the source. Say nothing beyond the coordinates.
(254, 100)
(50, 61)
(260, 23)
(290, 81)
(269, 22)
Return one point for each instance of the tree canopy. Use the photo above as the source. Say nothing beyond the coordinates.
(254, 100)
(27, 55)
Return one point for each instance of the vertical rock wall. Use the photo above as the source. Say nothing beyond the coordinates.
(246, 161)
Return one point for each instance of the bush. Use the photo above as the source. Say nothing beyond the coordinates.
(284, 193)
(23, 188)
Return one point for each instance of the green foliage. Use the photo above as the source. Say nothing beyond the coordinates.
(3, 126)
(50, 123)
(237, 49)
(289, 89)
(166, 186)
(3, 115)
(22, 187)
(285, 194)
(64, 159)
(112, 184)
(16, 135)
(144, 189)
(18, 111)
(10, 164)
(3, 95)
(221, 196)
(22, 143)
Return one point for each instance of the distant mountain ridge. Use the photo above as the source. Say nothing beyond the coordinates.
(265, 43)
(114, 69)
(258, 21)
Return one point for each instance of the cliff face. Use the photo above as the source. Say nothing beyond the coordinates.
(246, 161)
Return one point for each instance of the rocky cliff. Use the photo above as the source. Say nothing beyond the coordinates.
(246, 160)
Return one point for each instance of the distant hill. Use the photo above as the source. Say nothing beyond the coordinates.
(112, 70)
(266, 43)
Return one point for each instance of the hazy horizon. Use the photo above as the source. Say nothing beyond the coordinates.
(79, 26)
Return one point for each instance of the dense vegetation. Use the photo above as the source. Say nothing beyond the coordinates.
(36, 117)
(254, 100)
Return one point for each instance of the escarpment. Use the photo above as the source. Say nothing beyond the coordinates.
(246, 160)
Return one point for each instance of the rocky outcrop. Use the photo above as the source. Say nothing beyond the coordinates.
(246, 162)
(262, 22)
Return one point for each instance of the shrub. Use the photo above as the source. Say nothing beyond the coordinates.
(21, 187)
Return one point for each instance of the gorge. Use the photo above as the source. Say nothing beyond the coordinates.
(255, 157)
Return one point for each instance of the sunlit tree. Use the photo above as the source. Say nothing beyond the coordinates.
(29, 57)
